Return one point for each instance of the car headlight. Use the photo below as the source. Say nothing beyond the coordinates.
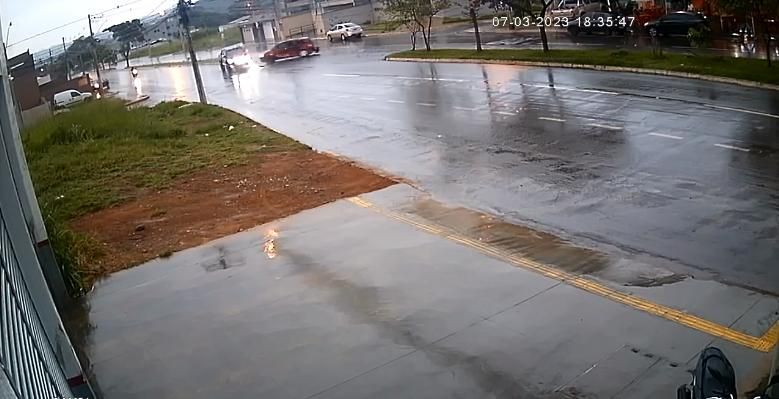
(241, 59)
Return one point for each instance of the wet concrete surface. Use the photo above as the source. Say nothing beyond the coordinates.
(347, 303)
(682, 171)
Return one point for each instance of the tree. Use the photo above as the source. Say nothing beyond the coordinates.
(81, 48)
(126, 34)
(416, 15)
(527, 8)
(759, 11)
(473, 7)
(413, 28)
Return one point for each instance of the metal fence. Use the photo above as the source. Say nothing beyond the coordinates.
(26, 357)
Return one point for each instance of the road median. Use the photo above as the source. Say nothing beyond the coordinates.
(740, 71)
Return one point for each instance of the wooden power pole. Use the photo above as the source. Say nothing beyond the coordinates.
(182, 9)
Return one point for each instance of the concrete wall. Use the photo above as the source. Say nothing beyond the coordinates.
(292, 24)
(359, 15)
(25, 82)
(26, 90)
(34, 115)
(247, 34)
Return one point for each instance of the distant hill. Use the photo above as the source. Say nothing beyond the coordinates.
(212, 13)
(213, 6)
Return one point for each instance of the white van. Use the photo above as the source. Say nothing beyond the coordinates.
(68, 98)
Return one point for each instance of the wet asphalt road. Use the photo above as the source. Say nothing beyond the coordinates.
(684, 172)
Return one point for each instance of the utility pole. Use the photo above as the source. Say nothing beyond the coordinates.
(94, 50)
(277, 16)
(182, 9)
(65, 57)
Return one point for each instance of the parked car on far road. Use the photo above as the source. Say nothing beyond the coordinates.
(573, 8)
(69, 98)
(678, 23)
(302, 47)
(344, 31)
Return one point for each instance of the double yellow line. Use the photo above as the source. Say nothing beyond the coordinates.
(764, 343)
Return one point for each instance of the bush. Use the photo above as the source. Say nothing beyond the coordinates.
(700, 37)
(73, 251)
(97, 120)
(169, 107)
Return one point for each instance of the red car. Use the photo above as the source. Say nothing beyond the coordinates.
(302, 47)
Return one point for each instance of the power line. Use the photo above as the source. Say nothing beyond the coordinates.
(71, 23)
(145, 16)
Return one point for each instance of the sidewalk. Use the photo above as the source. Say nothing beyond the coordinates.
(394, 295)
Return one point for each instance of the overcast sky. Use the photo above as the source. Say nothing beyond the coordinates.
(30, 17)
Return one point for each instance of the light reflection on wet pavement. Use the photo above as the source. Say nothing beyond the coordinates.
(635, 181)
(649, 164)
(355, 305)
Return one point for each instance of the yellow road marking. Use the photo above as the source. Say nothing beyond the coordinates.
(764, 343)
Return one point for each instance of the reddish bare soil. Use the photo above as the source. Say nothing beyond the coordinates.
(220, 201)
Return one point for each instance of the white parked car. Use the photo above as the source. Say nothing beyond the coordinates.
(68, 98)
(344, 31)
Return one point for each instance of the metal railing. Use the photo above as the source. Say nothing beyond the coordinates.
(26, 357)
(302, 30)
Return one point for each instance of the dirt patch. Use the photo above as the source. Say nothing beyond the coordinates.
(216, 202)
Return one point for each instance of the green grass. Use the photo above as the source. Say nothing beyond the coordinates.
(738, 68)
(452, 20)
(381, 27)
(201, 40)
(101, 153)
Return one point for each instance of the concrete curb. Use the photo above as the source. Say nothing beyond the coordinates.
(136, 101)
(687, 75)
(175, 63)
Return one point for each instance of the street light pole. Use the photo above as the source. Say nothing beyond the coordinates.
(94, 50)
(182, 9)
(65, 57)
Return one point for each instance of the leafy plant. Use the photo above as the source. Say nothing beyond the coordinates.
(416, 15)
(700, 37)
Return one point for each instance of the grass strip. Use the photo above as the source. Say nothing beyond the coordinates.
(737, 68)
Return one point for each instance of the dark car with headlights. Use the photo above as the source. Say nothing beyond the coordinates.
(233, 58)
(599, 22)
(677, 23)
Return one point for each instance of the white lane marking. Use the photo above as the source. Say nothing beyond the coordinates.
(341, 75)
(426, 104)
(430, 79)
(604, 126)
(730, 147)
(570, 89)
(344, 96)
(544, 118)
(503, 113)
(396, 101)
(668, 136)
(742, 110)
(367, 98)
(463, 108)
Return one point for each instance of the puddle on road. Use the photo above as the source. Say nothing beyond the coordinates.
(540, 246)
(224, 260)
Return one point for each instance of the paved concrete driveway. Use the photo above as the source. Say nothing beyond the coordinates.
(385, 297)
